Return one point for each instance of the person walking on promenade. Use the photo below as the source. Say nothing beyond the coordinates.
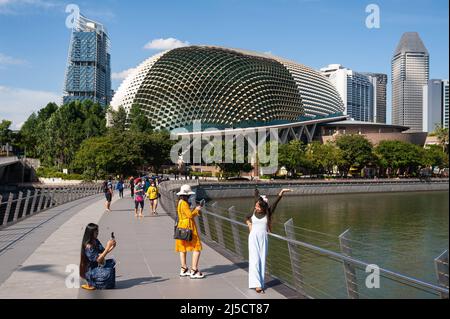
(139, 194)
(152, 194)
(119, 187)
(108, 190)
(98, 271)
(186, 220)
(260, 223)
(132, 186)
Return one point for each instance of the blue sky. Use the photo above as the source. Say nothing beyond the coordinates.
(34, 39)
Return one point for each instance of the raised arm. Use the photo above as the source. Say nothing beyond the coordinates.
(280, 195)
(256, 194)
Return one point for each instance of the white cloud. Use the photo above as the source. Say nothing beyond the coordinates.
(19, 6)
(122, 75)
(165, 44)
(17, 104)
(7, 60)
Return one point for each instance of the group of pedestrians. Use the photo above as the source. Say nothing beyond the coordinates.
(100, 273)
(145, 188)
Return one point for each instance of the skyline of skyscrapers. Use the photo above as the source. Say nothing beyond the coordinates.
(410, 72)
(88, 73)
(379, 81)
(363, 94)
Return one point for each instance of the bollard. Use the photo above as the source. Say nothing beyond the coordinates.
(18, 205)
(349, 269)
(294, 257)
(33, 203)
(441, 266)
(218, 224)
(235, 231)
(27, 201)
(8, 209)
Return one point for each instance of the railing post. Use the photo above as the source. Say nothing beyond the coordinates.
(294, 257)
(8, 209)
(52, 198)
(33, 203)
(235, 231)
(41, 198)
(27, 201)
(441, 266)
(349, 269)
(18, 205)
(67, 197)
(206, 225)
(218, 224)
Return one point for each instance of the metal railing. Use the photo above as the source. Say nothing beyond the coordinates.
(314, 264)
(17, 206)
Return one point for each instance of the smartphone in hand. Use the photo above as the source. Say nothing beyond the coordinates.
(112, 236)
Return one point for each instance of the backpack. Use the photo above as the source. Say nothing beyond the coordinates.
(105, 187)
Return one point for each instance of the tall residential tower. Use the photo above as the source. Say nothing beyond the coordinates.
(410, 73)
(356, 90)
(88, 74)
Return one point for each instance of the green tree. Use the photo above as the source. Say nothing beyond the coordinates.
(139, 121)
(5, 132)
(323, 157)
(292, 156)
(356, 152)
(101, 156)
(32, 132)
(155, 147)
(118, 120)
(397, 157)
(435, 156)
(443, 136)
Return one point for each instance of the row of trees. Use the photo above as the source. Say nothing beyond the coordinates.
(354, 152)
(75, 136)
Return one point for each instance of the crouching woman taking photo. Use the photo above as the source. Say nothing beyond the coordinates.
(98, 271)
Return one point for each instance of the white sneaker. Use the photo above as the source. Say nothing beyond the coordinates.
(184, 272)
(195, 274)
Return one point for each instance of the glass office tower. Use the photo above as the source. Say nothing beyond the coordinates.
(410, 73)
(88, 74)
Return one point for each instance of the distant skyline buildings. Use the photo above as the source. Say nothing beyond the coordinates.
(88, 73)
(432, 105)
(445, 105)
(410, 73)
(379, 81)
(363, 94)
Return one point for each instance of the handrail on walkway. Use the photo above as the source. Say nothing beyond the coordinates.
(304, 266)
(17, 206)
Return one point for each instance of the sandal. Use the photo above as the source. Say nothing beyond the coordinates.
(260, 290)
(184, 272)
(87, 287)
(195, 274)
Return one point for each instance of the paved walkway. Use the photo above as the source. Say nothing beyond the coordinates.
(147, 266)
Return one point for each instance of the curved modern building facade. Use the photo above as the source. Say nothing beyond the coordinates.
(225, 88)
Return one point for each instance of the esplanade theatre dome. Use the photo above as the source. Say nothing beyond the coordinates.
(226, 88)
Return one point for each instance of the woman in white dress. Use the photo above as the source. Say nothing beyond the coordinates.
(259, 223)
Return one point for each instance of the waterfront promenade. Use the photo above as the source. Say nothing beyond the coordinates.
(35, 253)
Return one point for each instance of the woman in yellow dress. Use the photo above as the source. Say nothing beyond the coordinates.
(186, 220)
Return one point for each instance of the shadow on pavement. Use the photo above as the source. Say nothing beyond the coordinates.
(126, 284)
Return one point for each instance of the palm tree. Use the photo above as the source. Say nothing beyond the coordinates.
(442, 135)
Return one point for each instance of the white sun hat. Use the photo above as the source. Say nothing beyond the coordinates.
(185, 190)
(264, 198)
